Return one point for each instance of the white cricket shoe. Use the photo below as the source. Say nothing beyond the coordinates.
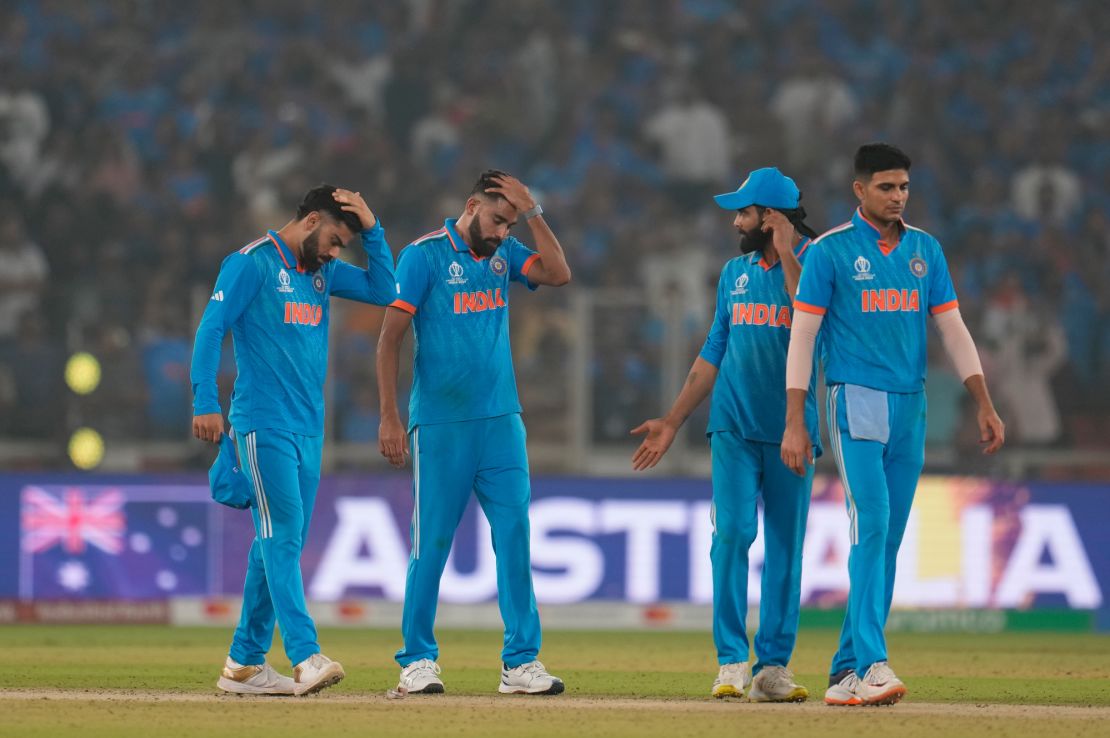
(732, 680)
(776, 684)
(254, 679)
(530, 678)
(842, 692)
(315, 673)
(421, 677)
(879, 686)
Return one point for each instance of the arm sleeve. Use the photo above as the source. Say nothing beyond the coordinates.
(521, 260)
(815, 286)
(799, 357)
(376, 283)
(958, 343)
(236, 286)
(413, 279)
(942, 293)
(715, 343)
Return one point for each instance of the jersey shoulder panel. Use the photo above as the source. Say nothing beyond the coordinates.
(834, 235)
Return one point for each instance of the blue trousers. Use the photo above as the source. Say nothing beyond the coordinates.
(878, 441)
(284, 469)
(450, 461)
(742, 470)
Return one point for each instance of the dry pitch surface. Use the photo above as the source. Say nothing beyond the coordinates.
(128, 681)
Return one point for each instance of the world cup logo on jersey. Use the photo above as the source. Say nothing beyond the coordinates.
(283, 282)
(863, 269)
(456, 272)
(498, 266)
(741, 285)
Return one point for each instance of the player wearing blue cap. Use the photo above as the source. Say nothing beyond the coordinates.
(464, 427)
(743, 363)
(869, 284)
(273, 295)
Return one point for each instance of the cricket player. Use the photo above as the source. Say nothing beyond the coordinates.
(464, 425)
(743, 363)
(273, 294)
(868, 285)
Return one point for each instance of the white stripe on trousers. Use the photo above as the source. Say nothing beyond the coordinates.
(265, 525)
(416, 490)
(838, 454)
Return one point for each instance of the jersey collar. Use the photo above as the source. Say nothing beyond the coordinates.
(798, 251)
(456, 239)
(284, 251)
(864, 225)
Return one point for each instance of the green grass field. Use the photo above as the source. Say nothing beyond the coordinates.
(140, 681)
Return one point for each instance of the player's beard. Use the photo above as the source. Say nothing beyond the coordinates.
(481, 246)
(753, 240)
(310, 251)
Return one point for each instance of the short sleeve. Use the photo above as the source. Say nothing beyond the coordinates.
(716, 342)
(413, 279)
(942, 293)
(521, 260)
(815, 287)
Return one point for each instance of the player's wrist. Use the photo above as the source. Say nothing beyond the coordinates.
(531, 212)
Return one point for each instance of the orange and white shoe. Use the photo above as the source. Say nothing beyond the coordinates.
(842, 689)
(879, 686)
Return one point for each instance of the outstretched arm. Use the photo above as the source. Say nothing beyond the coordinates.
(393, 441)
(550, 267)
(661, 431)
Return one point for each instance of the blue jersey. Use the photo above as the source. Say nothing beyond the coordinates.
(278, 316)
(874, 299)
(748, 343)
(462, 363)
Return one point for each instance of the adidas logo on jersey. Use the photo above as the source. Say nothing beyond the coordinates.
(218, 296)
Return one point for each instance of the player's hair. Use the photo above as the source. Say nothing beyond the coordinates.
(485, 181)
(879, 157)
(319, 200)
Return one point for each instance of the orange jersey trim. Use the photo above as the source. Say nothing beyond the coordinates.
(952, 305)
(805, 307)
(402, 305)
(528, 264)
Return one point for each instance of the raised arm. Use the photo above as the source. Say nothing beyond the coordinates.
(550, 267)
(375, 284)
(236, 286)
(785, 239)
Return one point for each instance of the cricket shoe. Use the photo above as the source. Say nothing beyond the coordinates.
(315, 673)
(776, 684)
(421, 677)
(879, 686)
(732, 680)
(530, 678)
(842, 689)
(254, 679)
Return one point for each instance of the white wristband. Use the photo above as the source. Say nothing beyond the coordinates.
(533, 212)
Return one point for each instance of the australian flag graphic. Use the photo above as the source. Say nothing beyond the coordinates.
(117, 542)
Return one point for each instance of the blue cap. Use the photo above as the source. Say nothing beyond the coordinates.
(229, 484)
(767, 187)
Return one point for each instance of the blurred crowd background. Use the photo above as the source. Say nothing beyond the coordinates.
(142, 142)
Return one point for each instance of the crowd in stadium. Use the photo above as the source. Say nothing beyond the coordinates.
(142, 142)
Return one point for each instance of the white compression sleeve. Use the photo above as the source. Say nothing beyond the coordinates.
(799, 358)
(958, 343)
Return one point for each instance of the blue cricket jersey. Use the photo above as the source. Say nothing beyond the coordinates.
(462, 363)
(278, 316)
(747, 343)
(874, 299)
